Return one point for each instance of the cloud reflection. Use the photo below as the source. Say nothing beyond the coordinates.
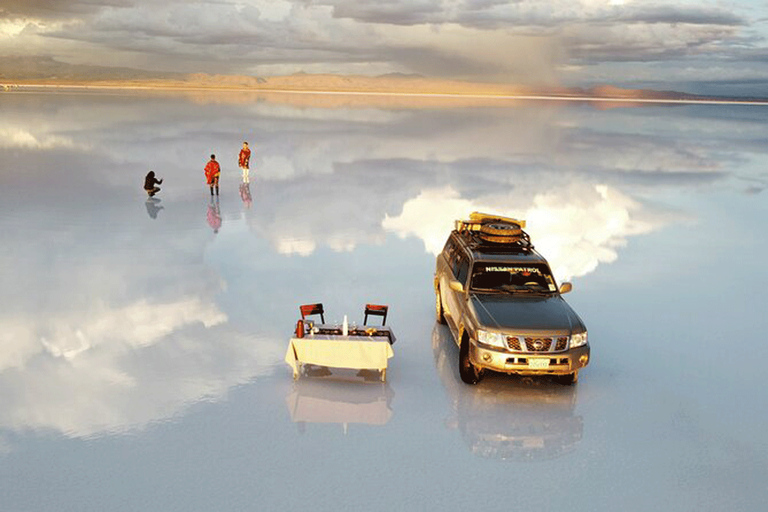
(119, 320)
(576, 227)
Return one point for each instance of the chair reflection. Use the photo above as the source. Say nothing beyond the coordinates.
(507, 417)
(341, 398)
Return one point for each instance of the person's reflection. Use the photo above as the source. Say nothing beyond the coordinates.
(245, 194)
(214, 215)
(507, 417)
(342, 399)
(153, 207)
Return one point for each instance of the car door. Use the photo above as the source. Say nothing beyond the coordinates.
(445, 274)
(456, 301)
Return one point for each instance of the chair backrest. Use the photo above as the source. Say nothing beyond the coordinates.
(376, 309)
(312, 309)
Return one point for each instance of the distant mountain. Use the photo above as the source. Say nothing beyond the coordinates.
(47, 71)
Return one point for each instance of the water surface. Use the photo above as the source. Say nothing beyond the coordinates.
(142, 342)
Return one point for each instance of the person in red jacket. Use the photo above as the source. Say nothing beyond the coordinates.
(243, 160)
(212, 173)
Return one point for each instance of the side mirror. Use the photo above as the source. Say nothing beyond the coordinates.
(566, 287)
(456, 286)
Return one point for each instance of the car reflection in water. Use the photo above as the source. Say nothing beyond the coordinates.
(344, 397)
(507, 417)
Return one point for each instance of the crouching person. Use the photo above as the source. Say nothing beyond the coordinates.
(151, 184)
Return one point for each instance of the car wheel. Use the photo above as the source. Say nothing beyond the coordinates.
(439, 314)
(568, 379)
(469, 373)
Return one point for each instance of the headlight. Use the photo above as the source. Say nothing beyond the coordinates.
(495, 339)
(577, 340)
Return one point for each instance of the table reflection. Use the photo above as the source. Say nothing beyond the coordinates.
(342, 397)
(508, 418)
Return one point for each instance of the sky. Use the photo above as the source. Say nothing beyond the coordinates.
(712, 47)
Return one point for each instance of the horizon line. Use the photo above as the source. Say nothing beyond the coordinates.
(10, 87)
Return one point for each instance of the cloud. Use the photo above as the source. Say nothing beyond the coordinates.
(576, 227)
(524, 41)
(11, 137)
(53, 9)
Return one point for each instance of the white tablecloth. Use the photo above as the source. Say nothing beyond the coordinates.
(356, 352)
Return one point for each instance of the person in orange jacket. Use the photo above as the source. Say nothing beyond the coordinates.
(243, 160)
(212, 173)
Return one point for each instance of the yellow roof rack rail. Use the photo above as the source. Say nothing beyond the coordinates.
(477, 219)
(487, 217)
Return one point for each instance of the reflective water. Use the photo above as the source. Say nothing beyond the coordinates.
(143, 341)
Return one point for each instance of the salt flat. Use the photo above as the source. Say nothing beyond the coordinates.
(142, 362)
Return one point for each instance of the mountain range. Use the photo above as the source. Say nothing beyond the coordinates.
(47, 71)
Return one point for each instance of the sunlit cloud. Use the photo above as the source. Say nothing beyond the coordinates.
(558, 41)
(576, 228)
(11, 28)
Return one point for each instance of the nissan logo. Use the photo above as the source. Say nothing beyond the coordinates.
(538, 345)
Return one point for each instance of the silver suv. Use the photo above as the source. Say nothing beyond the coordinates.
(501, 302)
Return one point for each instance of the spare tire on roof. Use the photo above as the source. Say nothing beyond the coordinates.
(500, 239)
(502, 229)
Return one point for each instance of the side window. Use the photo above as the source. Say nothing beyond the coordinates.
(448, 249)
(454, 262)
(463, 270)
(460, 266)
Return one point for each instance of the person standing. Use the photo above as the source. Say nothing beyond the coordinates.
(150, 184)
(244, 160)
(212, 173)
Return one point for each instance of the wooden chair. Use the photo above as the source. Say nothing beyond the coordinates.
(377, 310)
(312, 309)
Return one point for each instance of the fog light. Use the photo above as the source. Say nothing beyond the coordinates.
(487, 357)
(583, 359)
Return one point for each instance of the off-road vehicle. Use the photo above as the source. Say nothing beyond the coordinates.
(503, 306)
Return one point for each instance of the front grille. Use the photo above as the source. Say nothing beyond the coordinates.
(538, 344)
(513, 343)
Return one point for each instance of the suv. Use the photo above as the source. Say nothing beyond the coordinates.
(501, 302)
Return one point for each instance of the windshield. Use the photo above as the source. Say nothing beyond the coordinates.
(512, 278)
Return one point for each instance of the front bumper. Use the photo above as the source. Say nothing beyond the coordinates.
(529, 363)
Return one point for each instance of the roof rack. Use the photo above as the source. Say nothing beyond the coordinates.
(494, 233)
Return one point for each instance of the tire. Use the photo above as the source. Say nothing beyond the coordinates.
(500, 239)
(501, 229)
(568, 379)
(469, 373)
(439, 313)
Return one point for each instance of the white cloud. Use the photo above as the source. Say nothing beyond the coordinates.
(528, 40)
(576, 228)
(11, 137)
